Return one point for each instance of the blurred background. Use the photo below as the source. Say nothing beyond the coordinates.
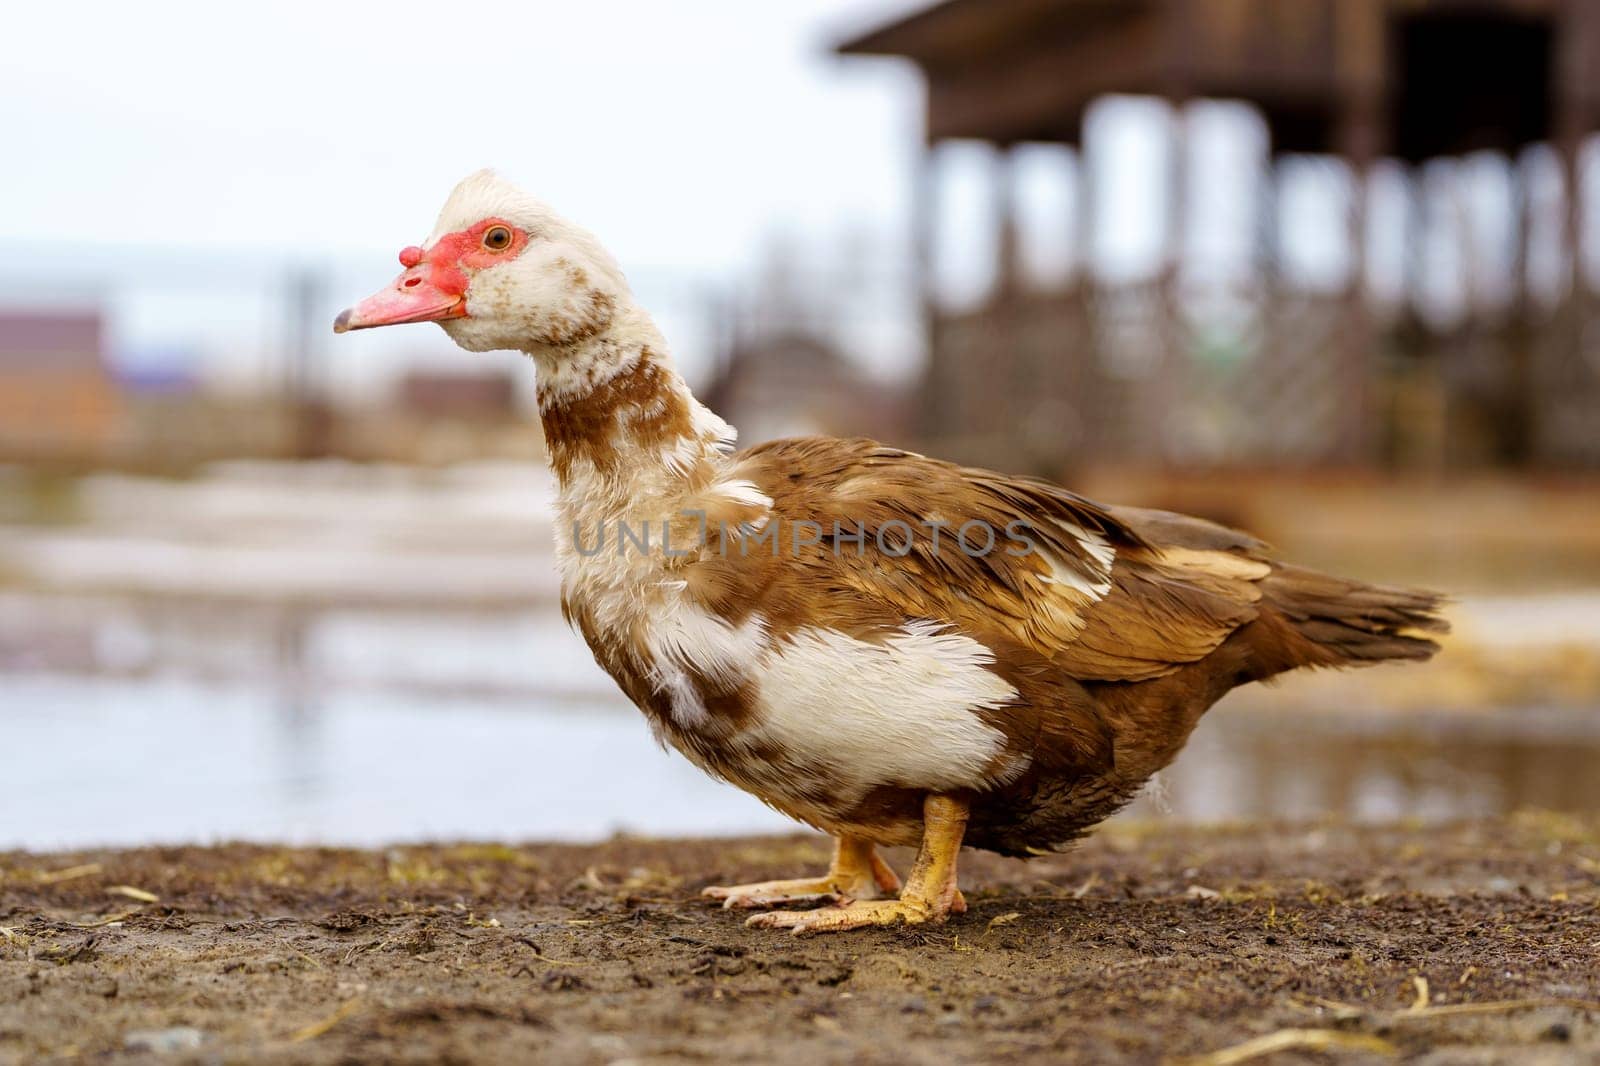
(1321, 268)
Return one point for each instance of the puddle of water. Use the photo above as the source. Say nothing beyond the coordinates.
(91, 761)
(1380, 766)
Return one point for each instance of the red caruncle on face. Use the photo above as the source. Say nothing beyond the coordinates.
(455, 254)
(434, 285)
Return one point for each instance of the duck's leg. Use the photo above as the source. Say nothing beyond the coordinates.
(856, 872)
(930, 894)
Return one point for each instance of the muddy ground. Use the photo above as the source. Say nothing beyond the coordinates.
(1477, 943)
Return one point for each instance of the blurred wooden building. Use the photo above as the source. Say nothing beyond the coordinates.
(789, 382)
(1095, 370)
(467, 395)
(58, 399)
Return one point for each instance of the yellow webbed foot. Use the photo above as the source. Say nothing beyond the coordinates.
(930, 895)
(856, 873)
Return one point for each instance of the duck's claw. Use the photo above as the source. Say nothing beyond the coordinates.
(849, 914)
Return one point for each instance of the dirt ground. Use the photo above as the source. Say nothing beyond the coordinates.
(1476, 943)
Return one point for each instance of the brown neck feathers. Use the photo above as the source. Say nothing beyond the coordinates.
(643, 408)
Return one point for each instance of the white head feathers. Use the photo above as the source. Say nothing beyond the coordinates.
(563, 288)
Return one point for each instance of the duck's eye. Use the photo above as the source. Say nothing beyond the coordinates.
(497, 238)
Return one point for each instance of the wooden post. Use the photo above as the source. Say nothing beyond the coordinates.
(1553, 368)
(1268, 235)
(1569, 145)
(1553, 378)
(1414, 275)
(1083, 394)
(309, 408)
(1361, 429)
(1265, 381)
(1521, 211)
(1008, 243)
(1083, 218)
(1177, 191)
(936, 411)
(1470, 257)
(1573, 223)
(1002, 403)
(1363, 74)
(1517, 405)
(1578, 27)
(1557, 384)
(1165, 423)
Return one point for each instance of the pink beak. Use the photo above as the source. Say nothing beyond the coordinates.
(413, 297)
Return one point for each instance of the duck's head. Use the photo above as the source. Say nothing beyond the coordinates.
(500, 270)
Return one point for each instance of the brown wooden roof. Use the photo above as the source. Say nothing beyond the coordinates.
(1431, 77)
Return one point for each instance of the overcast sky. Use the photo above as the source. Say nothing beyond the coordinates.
(679, 131)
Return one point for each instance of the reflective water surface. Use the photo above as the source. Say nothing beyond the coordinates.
(173, 721)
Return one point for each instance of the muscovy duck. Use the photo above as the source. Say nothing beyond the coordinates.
(891, 648)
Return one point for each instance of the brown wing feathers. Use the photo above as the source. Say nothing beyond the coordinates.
(881, 498)
(1110, 594)
(1308, 618)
